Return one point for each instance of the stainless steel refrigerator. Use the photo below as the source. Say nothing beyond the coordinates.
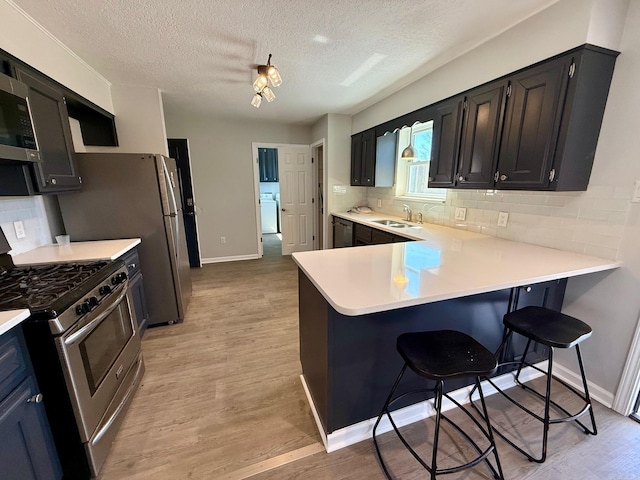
(136, 195)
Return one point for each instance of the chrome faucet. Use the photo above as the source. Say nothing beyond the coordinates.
(405, 208)
(419, 217)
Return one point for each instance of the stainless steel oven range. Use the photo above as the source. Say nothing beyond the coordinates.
(85, 347)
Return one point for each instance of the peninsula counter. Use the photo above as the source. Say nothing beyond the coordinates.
(354, 302)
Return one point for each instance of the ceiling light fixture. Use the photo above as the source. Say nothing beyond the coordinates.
(266, 74)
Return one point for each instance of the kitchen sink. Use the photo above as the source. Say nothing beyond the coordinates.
(392, 223)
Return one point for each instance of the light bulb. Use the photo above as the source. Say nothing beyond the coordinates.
(274, 76)
(260, 83)
(256, 100)
(268, 94)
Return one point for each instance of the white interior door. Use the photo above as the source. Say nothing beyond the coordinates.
(296, 198)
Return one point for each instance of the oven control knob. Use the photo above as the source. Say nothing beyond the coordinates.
(93, 301)
(104, 289)
(82, 308)
(119, 278)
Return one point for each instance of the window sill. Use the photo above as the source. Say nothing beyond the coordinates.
(408, 198)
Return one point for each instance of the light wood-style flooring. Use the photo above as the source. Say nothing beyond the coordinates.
(222, 399)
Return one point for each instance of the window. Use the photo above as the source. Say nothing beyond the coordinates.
(413, 174)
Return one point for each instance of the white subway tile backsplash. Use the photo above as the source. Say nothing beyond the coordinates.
(589, 222)
(30, 210)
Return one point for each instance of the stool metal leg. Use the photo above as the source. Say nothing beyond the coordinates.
(438, 407)
(385, 409)
(548, 402)
(499, 475)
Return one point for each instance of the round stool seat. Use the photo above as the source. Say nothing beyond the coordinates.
(547, 327)
(445, 354)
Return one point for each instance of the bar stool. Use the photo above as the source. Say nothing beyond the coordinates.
(555, 330)
(443, 355)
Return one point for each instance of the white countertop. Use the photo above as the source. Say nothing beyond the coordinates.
(11, 318)
(448, 263)
(77, 252)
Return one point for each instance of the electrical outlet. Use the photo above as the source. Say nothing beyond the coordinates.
(635, 198)
(19, 228)
(379, 203)
(461, 213)
(503, 218)
(223, 239)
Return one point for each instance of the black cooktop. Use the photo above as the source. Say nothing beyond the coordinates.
(43, 287)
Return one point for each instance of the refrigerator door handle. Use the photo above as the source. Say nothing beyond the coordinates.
(170, 185)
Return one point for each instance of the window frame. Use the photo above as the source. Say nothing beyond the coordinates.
(406, 134)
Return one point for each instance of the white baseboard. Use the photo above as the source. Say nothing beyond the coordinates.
(235, 258)
(595, 391)
(413, 413)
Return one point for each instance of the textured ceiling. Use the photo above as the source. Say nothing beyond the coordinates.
(335, 56)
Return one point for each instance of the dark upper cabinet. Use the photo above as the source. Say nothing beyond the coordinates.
(466, 130)
(447, 116)
(483, 113)
(363, 158)
(268, 164)
(58, 171)
(531, 125)
(536, 129)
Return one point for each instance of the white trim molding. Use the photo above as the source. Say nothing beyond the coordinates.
(235, 258)
(629, 386)
(361, 431)
(596, 392)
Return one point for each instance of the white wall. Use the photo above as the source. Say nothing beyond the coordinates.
(25, 39)
(601, 221)
(28, 41)
(223, 177)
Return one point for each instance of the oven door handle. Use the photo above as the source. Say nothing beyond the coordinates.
(80, 334)
(124, 401)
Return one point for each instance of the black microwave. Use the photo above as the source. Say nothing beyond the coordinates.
(17, 138)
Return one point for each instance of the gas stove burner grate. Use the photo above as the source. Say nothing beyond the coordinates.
(38, 287)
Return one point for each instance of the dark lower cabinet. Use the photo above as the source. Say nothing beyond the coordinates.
(364, 235)
(58, 171)
(27, 451)
(136, 290)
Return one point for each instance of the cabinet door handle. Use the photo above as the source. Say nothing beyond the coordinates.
(503, 177)
(462, 179)
(283, 209)
(37, 398)
(131, 266)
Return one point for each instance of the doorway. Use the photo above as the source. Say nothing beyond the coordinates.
(292, 193)
(319, 181)
(179, 151)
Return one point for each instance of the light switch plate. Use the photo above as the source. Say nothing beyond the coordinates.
(635, 198)
(19, 228)
(461, 213)
(503, 218)
(379, 203)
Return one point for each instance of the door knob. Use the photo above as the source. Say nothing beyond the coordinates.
(283, 209)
